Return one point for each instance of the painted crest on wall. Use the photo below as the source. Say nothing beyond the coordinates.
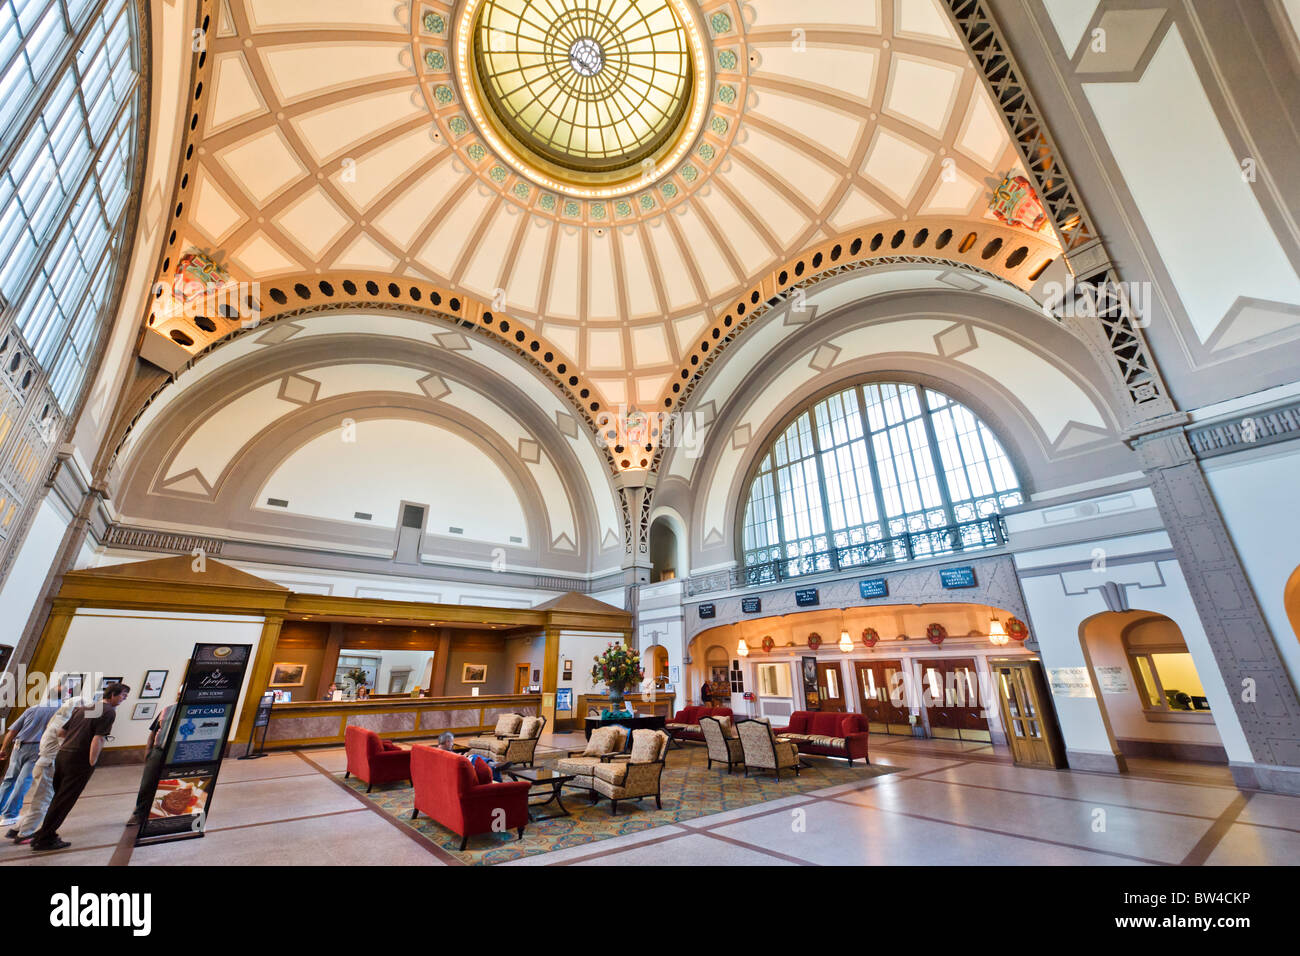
(1015, 203)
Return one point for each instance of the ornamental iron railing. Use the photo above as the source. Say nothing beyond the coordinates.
(987, 532)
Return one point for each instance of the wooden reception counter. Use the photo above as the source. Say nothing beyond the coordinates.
(308, 723)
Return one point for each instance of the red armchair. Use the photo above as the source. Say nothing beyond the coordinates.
(374, 760)
(449, 791)
(827, 734)
(685, 724)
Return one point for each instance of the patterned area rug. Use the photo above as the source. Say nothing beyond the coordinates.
(689, 790)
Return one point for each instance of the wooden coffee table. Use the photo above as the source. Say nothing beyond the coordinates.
(540, 779)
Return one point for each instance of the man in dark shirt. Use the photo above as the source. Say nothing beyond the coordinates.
(83, 739)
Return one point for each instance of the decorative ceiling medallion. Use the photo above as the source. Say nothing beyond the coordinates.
(592, 98)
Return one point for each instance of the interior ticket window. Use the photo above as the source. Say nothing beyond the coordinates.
(1168, 682)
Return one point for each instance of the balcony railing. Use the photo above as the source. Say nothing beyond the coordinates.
(989, 532)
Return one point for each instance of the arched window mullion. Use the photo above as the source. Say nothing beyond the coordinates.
(874, 465)
(940, 473)
(822, 493)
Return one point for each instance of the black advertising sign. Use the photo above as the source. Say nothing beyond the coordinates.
(751, 605)
(807, 597)
(263, 715)
(196, 742)
(708, 611)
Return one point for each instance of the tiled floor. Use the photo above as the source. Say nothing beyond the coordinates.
(949, 803)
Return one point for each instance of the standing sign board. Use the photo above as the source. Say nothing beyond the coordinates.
(196, 743)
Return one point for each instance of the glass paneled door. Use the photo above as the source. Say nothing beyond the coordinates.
(884, 697)
(831, 686)
(951, 693)
(1031, 730)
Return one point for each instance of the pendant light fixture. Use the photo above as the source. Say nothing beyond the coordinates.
(742, 649)
(998, 635)
(846, 642)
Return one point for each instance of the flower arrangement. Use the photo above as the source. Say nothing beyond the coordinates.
(618, 669)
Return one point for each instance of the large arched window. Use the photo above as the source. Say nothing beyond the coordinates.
(70, 102)
(875, 473)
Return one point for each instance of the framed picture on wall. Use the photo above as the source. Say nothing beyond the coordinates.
(152, 686)
(144, 710)
(105, 681)
(473, 673)
(287, 675)
(674, 673)
(73, 685)
(568, 665)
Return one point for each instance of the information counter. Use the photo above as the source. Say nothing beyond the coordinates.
(308, 723)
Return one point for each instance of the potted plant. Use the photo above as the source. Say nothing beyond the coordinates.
(618, 669)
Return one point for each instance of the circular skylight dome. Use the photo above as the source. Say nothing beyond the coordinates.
(589, 91)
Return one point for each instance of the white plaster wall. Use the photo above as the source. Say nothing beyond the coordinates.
(123, 643)
(30, 567)
(1059, 603)
(1256, 495)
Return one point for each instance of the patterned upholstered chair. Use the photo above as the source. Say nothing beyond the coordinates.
(605, 744)
(723, 741)
(634, 775)
(763, 751)
(513, 741)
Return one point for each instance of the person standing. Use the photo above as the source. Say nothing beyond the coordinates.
(155, 750)
(83, 741)
(43, 774)
(27, 729)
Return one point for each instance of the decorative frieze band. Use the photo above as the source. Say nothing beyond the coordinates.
(1249, 431)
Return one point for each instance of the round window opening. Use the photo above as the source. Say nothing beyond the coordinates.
(586, 56)
(590, 93)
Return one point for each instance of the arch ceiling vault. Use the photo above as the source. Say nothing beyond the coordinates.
(342, 152)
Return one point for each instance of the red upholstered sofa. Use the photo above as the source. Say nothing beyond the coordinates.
(685, 724)
(460, 794)
(828, 735)
(374, 760)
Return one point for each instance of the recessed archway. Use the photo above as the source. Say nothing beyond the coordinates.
(1150, 693)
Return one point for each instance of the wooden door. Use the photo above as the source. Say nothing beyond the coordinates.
(1031, 731)
(878, 687)
(830, 685)
(521, 677)
(950, 692)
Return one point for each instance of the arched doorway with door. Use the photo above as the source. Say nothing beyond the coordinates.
(654, 664)
(1149, 689)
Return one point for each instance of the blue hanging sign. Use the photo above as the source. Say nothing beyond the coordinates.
(751, 605)
(873, 588)
(957, 577)
(708, 611)
(807, 597)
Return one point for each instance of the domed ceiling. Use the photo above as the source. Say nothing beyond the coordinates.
(611, 175)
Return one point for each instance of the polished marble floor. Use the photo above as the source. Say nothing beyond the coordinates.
(949, 803)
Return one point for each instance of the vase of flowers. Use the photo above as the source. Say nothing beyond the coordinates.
(618, 669)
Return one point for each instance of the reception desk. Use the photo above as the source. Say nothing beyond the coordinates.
(310, 723)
